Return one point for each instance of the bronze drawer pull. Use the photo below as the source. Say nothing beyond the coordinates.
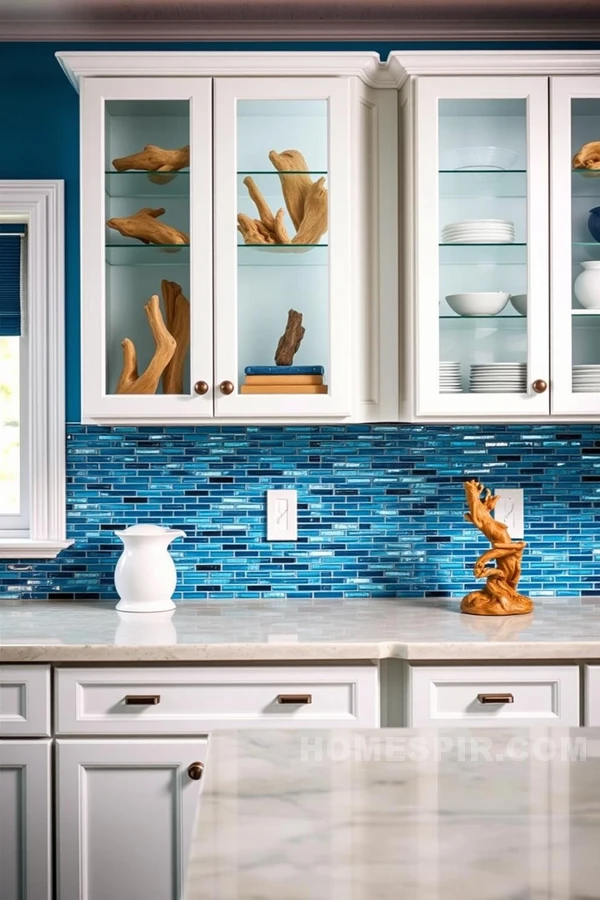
(142, 699)
(495, 698)
(296, 699)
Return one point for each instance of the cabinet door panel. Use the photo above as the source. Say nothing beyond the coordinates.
(25, 872)
(300, 127)
(133, 259)
(126, 810)
(575, 229)
(481, 237)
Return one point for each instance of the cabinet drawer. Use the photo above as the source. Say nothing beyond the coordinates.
(187, 700)
(592, 695)
(493, 695)
(24, 701)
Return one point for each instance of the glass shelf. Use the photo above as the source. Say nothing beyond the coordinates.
(138, 184)
(585, 182)
(584, 251)
(148, 254)
(586, 312)
(497, 254)
(283, 254)
(472, 183)
(498, 318)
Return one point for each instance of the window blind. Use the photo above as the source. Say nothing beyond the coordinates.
(12, 249)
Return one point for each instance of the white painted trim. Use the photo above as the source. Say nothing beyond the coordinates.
(408, 63)
(400, 65)
(373, 28)
(216, 64)
(41, 205)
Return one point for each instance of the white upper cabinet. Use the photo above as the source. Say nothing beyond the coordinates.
(144, 235)
(575, 256)
(220, 214)
(480, 237)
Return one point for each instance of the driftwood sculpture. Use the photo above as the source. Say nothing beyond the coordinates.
(130, 381)
(588, 157)
(500, 596)
(154, 159)
(143, 225)
(305, 199)
(177, 309)
(290, 340)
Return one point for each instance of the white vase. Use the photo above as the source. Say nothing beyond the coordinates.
(587, 285)
(145, 576)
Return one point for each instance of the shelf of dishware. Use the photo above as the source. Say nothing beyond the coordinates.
(150, 185)
(586, 312)
(463, 183)
(148, 254)
(283, 254)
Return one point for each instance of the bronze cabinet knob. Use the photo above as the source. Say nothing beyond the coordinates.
(539, 386)
(201, 387)
(195, 771)
(226, 387)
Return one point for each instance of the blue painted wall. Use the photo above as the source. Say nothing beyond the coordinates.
(380, 507)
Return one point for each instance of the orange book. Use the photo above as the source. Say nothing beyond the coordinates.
(284, 379)
(283, 389)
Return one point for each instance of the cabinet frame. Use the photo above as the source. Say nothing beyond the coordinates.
(428, 399)
(96, 402)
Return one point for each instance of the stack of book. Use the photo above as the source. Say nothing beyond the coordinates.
(284, 380)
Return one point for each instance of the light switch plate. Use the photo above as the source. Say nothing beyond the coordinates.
(510, 510)
(282, 524)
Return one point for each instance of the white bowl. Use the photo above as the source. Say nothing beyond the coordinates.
(480, 158)
(484, 303)
(519, 301)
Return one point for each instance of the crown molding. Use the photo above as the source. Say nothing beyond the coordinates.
(459, 28)
(194, 63)
(400, 66)
(407, 63)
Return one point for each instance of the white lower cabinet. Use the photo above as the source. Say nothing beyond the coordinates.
(592, 695)
(126, 811)
(492, 695)
(25, 872)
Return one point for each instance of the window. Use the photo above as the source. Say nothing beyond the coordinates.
(32, 426)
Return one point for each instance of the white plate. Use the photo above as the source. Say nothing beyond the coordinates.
(454, 229)
(495, 390)
(500, 365)
(467, 222)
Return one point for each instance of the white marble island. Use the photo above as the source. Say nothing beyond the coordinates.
(422, 815)
(296, 630)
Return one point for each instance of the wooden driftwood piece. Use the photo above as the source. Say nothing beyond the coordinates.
(146, 383)
(295, 187)
(314, 222)
(588, 156)
(290, 340)
(177, 309)
(143, 226)
(154, 159)
(500, 596)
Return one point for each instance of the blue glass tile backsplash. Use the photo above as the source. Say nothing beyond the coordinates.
(380, 508)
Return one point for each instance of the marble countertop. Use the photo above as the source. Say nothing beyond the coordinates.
(378, 815)
(255, 630)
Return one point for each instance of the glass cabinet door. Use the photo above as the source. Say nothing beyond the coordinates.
(575, 243)
(283, 292)
(482, 246)
(147, 248)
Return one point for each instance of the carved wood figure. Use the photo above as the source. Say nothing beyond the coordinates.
(143, 225)
(305, 199)
(154, 159)
(290, 340)
(500, 596)
(177, 310)
(588, 156)
(130, 381)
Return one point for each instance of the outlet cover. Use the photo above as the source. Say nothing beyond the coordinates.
(282, 524)
(510, 510)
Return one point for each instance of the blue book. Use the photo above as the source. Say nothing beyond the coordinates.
(284, 370)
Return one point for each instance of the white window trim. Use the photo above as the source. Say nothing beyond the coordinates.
(41, 205)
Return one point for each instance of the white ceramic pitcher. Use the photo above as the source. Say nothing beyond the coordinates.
(145, 576)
